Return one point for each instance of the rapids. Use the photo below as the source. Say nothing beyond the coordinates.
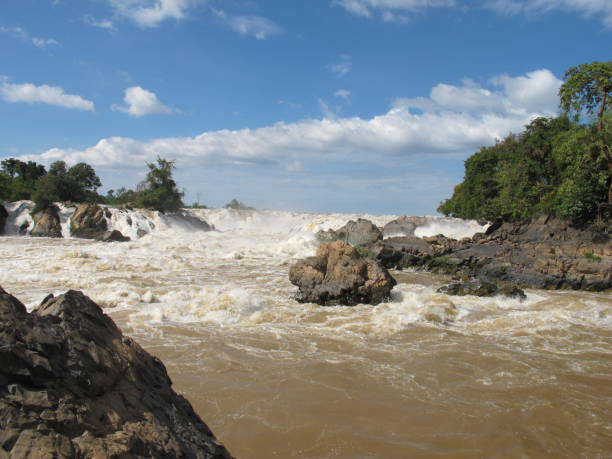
(424, 375)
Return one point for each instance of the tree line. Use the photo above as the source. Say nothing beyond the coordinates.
(79, 184)
(558, 166)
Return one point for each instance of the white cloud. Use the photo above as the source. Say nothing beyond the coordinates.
(254, 26)
(344, 94)
(52, 95)
(141, 102)
(22, 34)
(150, 13)
(44, 42)
(589, 8)
(100, 24)
(389, 8)
(342, 67)
(445, 126)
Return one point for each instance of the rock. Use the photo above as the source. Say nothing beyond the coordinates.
(403, 226)
(71, 385)
(113, 236)
(47, 223)
(355, 233)
(339, 275)
(89, 221)
(188, 221)
(3, 218)
(474, 288)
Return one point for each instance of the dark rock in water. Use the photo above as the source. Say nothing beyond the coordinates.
(339, 275)
(403, 226)
(189, 221)
(47, 223)
(478, 288)
(113, 236)
(469, 288)
(89, 221)
(3, 218)
(71, 385)
(355, 233)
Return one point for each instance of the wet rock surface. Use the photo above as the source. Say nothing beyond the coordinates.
(542, 253)
(71, 385)
(89, 221)
(3, 217)
(355, 233)
(47, 223)
(338, 275)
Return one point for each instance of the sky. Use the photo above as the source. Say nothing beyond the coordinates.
(367, 106)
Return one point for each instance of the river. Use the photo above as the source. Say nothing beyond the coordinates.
(424, 375)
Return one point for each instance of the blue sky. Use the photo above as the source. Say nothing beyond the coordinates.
(315, 105)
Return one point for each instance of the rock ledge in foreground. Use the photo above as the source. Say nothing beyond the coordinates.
(338, 275)
(71, 385)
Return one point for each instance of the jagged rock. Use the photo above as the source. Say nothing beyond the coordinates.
(89, 221)
(113, 236)
(3, 218)
(47, 223)
(339, 275)
(71, 385)
(188, 221)
(355, 233)
(478, 288)
(403, 226)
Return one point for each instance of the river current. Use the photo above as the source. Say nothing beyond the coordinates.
(423, 375)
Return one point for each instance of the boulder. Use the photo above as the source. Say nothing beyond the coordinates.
(355, 233)
(479, 288)
(337, 274)
(89, 221)
(71, 385)
(3, 218)
(47, 223)
(403, 226)
(113, 236)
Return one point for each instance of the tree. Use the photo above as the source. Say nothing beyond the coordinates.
(77, 184)
(159, 191)
(587, 87)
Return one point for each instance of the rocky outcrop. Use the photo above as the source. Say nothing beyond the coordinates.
(113, 236)
(189, 221)
(339, 275)
(89, 221)
(479, 288)
(355, 233)
(403, 226)
(47, 223)
(3, 218)
(71, 385)
(542, 253)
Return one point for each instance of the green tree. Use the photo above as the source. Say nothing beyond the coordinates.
(587, 88)
(159, 190)
(77, 184)
(22, 177)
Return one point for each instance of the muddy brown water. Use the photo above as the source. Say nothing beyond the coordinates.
(424, 375)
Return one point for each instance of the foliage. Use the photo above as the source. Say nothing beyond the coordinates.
(587, 88)
(591, 256)
(77, 184)
(45, 193)
(20, 178)
(237, 205)
(555, 167)
(159, 190)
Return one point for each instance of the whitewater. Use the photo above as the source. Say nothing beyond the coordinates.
(423, 375)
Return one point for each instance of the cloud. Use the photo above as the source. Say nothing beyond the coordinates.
(444, 126)
(52, 95)
(22, 34)
(342, 67)
(589, 8)
(254, 26)
(141, 102)
(389, 9)
(344, 94)
(102, 24)
(150, 13)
